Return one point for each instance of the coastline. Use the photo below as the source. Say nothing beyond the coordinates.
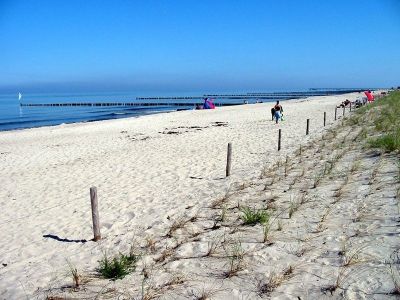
(147, 169)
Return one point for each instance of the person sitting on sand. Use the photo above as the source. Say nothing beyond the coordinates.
(344, 103)
(278, 111)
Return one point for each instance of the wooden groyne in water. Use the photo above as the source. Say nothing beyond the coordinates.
(259, 95)
(199, 99)
(124, 104)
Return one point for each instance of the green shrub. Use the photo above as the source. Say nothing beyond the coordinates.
(254, 216)
(118, 267)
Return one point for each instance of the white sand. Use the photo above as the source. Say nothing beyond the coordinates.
(142, 174)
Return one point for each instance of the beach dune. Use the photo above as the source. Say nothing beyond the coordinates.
(147, 170)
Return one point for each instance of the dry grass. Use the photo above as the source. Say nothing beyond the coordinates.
(293, 207)
(76, 277)
(267, 233)
(352, 257)
(341, 278)
(274, 281)
(319, 228)
(213, 246)
(222, 217)
(168, 252)
(236, 260)
(175, 280)
(355, 166)
(180, 223)
(203, 294)
(325, 215)
(150, 244)
(221, 200)
(317, 178)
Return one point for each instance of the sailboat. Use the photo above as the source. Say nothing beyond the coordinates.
(19, 96)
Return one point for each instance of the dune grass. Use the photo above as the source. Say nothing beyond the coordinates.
(389, 142)
(254, 216)
(384, 115)
(117, 267)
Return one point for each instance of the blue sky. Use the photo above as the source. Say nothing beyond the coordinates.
(192, 45)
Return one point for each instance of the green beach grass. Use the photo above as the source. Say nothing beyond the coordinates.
(383, 115)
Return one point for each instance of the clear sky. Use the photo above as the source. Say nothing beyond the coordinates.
(197, 45)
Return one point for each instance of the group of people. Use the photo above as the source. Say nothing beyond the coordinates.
(345, 103)
(208, 104)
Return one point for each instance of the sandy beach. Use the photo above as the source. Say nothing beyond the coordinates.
(152, 170)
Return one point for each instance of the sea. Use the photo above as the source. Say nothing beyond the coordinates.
(15, 116)
(22, 113)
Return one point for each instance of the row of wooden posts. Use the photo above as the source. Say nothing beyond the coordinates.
(93, 190)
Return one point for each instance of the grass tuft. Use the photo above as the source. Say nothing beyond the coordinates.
(117, 267)
(254, 216)
(76, 278)
(236, 260)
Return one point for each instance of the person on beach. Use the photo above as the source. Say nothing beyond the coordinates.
(278, 111)
(344, 103)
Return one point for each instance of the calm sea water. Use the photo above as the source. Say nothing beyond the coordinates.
(14, 116)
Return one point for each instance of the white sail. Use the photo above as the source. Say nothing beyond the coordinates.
(19, 96)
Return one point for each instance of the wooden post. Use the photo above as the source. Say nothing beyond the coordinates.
(279, 140)
(335, 113)
(344, 108)
(308, 126)
(350, 106)
(229, 160)
(95, 214)
(324, 118)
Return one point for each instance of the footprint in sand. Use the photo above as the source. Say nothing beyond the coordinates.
(106, 225)
(130, 215)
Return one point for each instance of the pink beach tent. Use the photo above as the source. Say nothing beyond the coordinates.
(208, 104)
(369, 95)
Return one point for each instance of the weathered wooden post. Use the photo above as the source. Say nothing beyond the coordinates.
(324, 118)
(344, 108)
(350, 106)
(308, 126)
(279, 140)
(335, 113)
(229, 160)
(95, 214)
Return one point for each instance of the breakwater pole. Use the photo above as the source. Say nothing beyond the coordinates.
(308, 127)
(324, 118)
(229, 160)
(95, 214)
(335, 113)
(122, 104)
(344, 109)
